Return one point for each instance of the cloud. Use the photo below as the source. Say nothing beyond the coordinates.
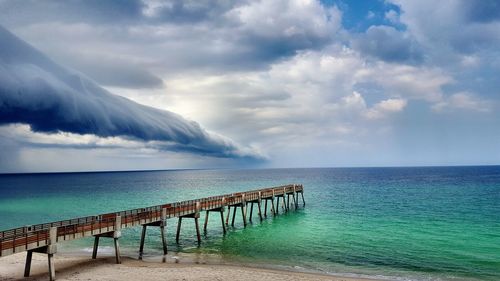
(113, 71)
(185, 11)
(284, 77)
(483, 11)
(384, 107)
(463, 26)
(73, 11)
(463, 101)
(355, 104)
(23, 134)
(284, 27)
(392, 16)
(314, 96)
(388, 44)
(36, 91)
(169, 37)
(411, 82)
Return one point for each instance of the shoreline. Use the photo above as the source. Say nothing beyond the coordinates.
(75, 267)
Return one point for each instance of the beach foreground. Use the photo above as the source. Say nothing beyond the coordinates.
(83, 268)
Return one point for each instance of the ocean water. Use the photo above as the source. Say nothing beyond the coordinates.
(432, 223)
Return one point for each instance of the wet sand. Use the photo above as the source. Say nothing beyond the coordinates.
(104, 268)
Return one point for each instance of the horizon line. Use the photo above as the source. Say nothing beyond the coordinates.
(243, 168)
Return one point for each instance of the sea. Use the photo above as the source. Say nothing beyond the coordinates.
(398, 223)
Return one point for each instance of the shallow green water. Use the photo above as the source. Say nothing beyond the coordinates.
(405, 223)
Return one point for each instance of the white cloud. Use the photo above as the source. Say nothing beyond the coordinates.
(412, 82)
(308, 97)
(392, 16)
(452, 26)
(463, 101)
(304, 19)
(384, 107)
(22, 133)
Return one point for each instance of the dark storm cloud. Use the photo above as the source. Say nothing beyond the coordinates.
(482, 11)
(113, 11)
(263, 49)
(189, 11)
(97, 11)
(113, 72)
(388, 44)
(207, 35)
(36, 91)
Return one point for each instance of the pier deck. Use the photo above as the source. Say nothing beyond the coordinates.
(44, 237)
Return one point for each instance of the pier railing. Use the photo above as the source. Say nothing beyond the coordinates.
(35, 236)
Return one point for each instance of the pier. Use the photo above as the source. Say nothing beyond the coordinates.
(43, 238)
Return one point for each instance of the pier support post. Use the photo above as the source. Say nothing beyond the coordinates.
(197, 230)
(265, 208)
(228, 214)
(234, 216)
(283, 203)
(244, 214)
(49, 249)
(258, 202)
(117, 251)
(52, 269)
(163, 225)
(258, 205)
(222, 209)
(222, 220)
(143, 237)
(251, 211)
(115, 234)
(285, 200)
(273, 209)
(288, 201)
(178, 230)
(27, 266)
(96, 245)
(243, 206)
(196, 215)
(260, 210)
(295, 197)
(244, 209)
(219, 210)
(206, 221)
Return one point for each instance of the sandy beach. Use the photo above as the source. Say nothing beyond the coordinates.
(104, 268)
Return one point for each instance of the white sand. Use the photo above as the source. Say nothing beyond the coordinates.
(104, 268)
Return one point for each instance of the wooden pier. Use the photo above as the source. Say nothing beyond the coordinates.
(43, 238)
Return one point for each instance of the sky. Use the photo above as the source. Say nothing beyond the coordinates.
(145, 84)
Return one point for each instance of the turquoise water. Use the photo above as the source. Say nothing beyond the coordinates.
(404, 223)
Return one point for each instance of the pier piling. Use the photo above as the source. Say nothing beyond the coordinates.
(115, 233)
(96, 245)
(195, 216)
(179, 222)
(49, 250)
(228, 214)
(218, 210)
